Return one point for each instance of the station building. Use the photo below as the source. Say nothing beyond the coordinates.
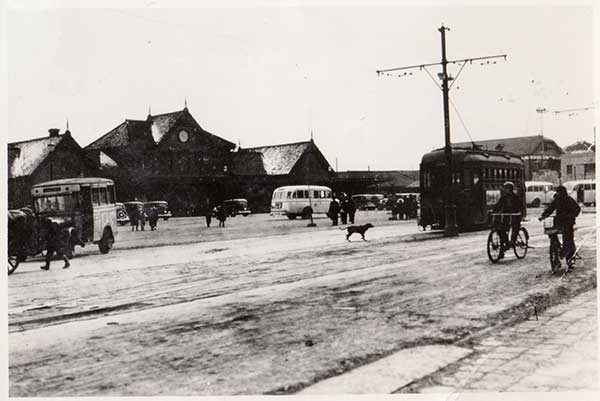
(52, 157)
(579, 162)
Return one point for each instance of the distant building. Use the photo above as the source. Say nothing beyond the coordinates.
(43, 159)
(540, 155)
(258, 171)
(165, 157)
(579, 162)
(378, 182)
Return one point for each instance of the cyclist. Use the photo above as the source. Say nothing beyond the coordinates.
(567, 210)
(509, 202)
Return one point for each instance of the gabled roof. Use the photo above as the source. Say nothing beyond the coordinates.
(24, 157)
(397, 178)
(520, 146)
(277, 159)
(153, 130)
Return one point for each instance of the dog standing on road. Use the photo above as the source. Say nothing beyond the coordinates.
(357, 229)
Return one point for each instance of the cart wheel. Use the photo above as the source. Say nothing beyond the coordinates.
(494, 246)
(13, 262)
(520, 247)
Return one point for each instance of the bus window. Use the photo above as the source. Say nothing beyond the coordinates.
(95, 196)
(289, 194)
(316, 194)
(110, 190)
(103, 197)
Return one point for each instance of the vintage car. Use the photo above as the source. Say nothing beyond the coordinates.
(122, 216)
(233, 207)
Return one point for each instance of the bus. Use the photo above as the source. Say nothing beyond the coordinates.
(84, 206)
(583, 191)
(300, 200)
(538, 193)
(477, 178)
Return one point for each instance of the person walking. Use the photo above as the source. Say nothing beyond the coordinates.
(207, 211)
(142, 217)
(334, 210)
(153, 218)
(350, 207)
(56, 241)
(221, 215)
(567, 210)
(134, 218)
(343, 210)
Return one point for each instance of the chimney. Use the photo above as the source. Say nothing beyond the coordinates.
(53, 132)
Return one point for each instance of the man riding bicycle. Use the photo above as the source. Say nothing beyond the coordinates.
(509, 203)
(567, 210)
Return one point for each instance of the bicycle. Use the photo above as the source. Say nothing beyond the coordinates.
(556, 246)
(495, 245)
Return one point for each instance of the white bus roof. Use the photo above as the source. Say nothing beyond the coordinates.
(538, 183)
(295, 187)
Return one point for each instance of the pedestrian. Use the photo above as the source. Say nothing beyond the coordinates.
(400, 208)
(580, 193)
(134, 218)
(221, 215)
(343, 211)
(207, 211)
(334, 210)
(391, 204)
(56, 239)
(142, 217)
(567, 210)
(153, 218)
(350, 207)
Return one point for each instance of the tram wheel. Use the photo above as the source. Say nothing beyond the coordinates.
(520, 247)
(494, 246)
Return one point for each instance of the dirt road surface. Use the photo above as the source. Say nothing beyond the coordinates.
(265, 305)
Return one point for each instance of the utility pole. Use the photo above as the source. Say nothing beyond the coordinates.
(450, 228)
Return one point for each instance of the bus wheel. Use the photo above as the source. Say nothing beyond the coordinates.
(494, 245)
(291, 216)
(536, 203)
(306, 213)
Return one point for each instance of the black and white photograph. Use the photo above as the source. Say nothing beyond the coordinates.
(388, 199)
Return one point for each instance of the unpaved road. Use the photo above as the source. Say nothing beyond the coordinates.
(251, 311)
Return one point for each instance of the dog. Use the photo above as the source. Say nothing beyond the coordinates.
(357, 229)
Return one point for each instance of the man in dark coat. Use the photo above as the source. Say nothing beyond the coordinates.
(221, 215)
(509, 203)
(350, 207)
(56, 241)
(207, 211)
(334, 209)
(567, 210)
(153, 218)
(343, 211)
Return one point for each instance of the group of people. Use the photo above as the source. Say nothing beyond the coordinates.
(218, 211)
(566, 209)
(403, 207)
(342, 207)
(138, 218)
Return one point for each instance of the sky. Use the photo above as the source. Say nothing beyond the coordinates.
(262, 73)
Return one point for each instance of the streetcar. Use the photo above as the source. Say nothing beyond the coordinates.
(477, 176)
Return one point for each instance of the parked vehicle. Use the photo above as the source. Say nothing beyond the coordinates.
(367, 201)
(162, 207)
(122, 216)
(86, 206)
(301, 200)
(233, 207)
(538, 193)
(583, 191)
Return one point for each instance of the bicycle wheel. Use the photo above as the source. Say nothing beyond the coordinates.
(494, 246)
(520, 245)
(554, 254)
